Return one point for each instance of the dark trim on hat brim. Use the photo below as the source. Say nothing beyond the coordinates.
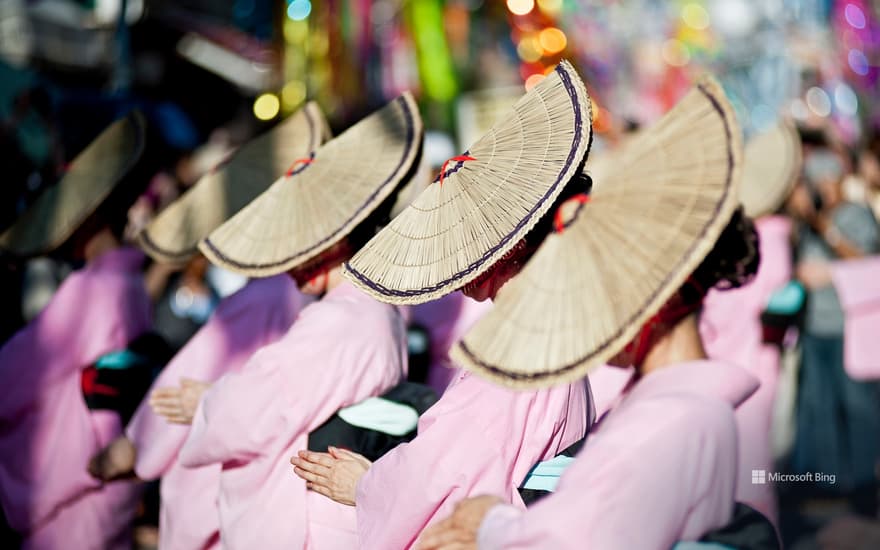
(139, 122)
(480, 263)
(369, 205)
(166, 255)
(533, 377)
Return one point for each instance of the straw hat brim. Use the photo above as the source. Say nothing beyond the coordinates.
(91, 178)
(649, 223)
(306, 212)
(771, 166)
(458, 228)
(174, 235)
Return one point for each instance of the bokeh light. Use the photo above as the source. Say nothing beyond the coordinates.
(293, 93)
(266, 106)
(845, 99)
(818, 101)
(533, 80)
(299, 9)
(854, 16)
(529, 49)
(520, 7)
(858, 62)
(695, 16)
(553, 40)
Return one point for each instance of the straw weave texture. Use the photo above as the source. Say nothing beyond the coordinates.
(301, 215)
(175, 233)
(456, 230)
(771, 166)
(648, 225)
(89, 181)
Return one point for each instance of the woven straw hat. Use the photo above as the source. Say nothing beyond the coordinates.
(771, 166)
(92, 176)
(460, 226)
(647, 225)
(312, 207)
(175, 233)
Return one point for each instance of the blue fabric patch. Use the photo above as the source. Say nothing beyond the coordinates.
(545, 475)
(787, 300)
(119, 360)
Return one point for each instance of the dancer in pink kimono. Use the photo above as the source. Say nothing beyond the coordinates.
(342, 349)
(257, 315)
(49, 433)
(857, 283)
(730, 325)
(477, 438)
(661, 466)
(446, 320)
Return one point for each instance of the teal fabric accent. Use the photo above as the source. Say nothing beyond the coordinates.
(787, 300)
(119, 360)
(545, 475)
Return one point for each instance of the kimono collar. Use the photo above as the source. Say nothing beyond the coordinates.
(717, 379)
(124, 258)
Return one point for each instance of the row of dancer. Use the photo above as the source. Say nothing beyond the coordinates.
(340, 237)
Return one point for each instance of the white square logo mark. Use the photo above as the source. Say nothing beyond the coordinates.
(759, 477)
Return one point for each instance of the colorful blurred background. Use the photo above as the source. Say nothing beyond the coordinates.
(210, 74)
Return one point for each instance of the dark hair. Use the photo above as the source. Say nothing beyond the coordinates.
(580, 183)
(381, 216)
(733, 261)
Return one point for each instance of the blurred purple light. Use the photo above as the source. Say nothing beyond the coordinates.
(854, 16)
(858, 62)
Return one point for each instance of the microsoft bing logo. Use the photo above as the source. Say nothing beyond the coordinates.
(759, 477)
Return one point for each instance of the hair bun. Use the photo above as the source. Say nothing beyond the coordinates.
(734, 260)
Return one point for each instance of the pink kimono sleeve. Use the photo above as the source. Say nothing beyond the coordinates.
(46, 449)
(479, 438)
(647, 480)
(328, 360)
(857, 283)
(255, 316)
(76, 327)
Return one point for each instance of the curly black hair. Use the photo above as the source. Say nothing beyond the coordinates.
(733, 261)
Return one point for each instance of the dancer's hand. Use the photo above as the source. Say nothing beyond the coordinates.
(115, 461)
(178, 404)
(334, 475)
(459, 531)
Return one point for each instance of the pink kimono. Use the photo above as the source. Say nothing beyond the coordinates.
(253, 317)
(341, 350)
(446, 321)
(857, 283)
(48, 433)
(730, 325)
(479, 438)
(660, 468)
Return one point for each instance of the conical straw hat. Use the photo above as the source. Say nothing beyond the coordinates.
(771, 166)
(175, 233)
(587, 290)
(460, 226)
(320, 202)
(93, 174)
